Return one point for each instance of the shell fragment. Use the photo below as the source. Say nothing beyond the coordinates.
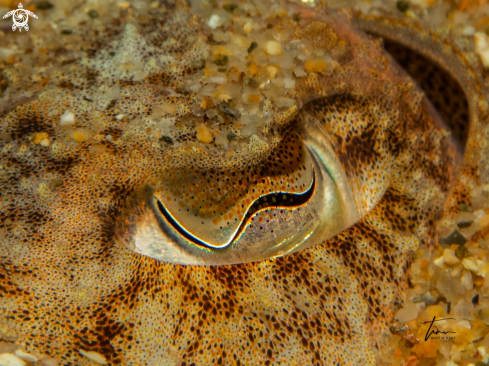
(94, 356)
(9, 359)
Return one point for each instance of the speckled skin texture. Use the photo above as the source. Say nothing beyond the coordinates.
(67, 282)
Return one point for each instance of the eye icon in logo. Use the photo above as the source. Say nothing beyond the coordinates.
(20, 17)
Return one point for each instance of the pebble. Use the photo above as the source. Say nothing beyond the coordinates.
(157, 134)
(449, 257)
(226, 108)
(402, 6)
(225, 97)
(434, 310)
(167, 139)
(479, 280)
(482, 47)
(6, 53)
(38, 137)
(440, 262)
(484, 221)
(468, 31)
(214, 21)
(412, 361)
(253, 68)
(222, 140)
(9, 359)
(466, 280)
(248, 27)
(254, 97)
(80, 135)
(289, 83)
(454, 238)
(273, 48)
(124, 5)
(92, 13)
(94, 356)
(427, 298)
(170, 108)
(470, 265)
(47, 361)
(315, 66)
(483, 270)
(464, 323)
(411, 14)
(203, 133)
(25, 356)
(67, 119)
(272, 71)
(408, 313)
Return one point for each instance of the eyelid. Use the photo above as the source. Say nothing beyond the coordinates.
(211, 205)
(323, 216)
(302, 197)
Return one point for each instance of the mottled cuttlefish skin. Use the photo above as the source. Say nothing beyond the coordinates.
(70, 192)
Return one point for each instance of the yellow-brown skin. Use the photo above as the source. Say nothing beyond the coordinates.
(68, 283)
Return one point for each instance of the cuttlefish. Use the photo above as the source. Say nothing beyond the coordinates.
(236, 184)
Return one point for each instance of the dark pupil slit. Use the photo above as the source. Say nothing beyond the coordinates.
(443, 91)
(270, 201)
(278, 199)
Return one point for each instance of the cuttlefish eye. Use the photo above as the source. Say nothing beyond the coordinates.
(319, 162)
(299, 196)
